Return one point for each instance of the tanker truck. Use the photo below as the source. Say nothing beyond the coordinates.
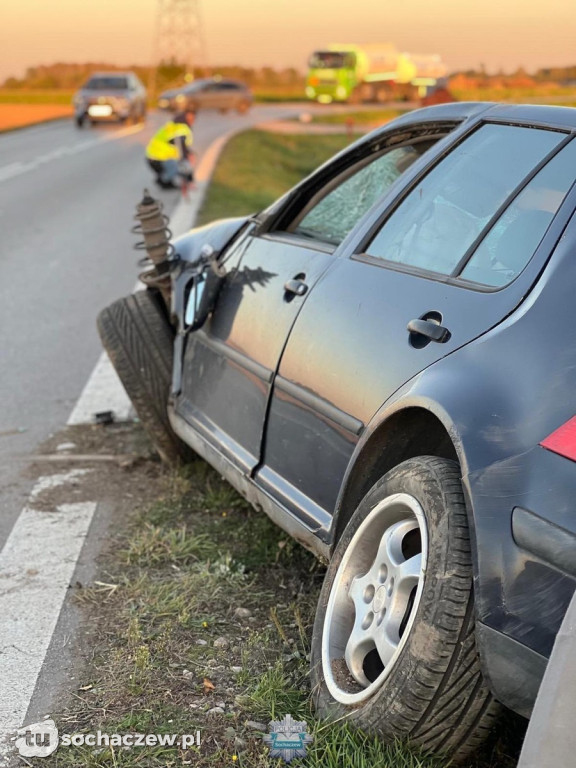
(373, 72)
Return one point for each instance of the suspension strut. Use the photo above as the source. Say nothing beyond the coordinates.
(153, 227)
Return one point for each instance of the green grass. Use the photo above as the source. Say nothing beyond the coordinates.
(183, 567)
(361, 117)
(171, 587)
(17, 96)
(257, 167)
(280, 94)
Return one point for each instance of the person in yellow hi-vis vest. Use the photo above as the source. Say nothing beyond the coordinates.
(169, 152)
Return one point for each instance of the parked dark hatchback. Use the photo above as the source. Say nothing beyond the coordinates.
(213, 93)
(110, 96)
(387, 370)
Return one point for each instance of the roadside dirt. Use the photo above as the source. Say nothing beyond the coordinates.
(195, 614)
(117, 464)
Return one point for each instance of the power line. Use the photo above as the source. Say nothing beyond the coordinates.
(180, 34)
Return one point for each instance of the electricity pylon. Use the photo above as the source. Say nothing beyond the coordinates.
(179, 36)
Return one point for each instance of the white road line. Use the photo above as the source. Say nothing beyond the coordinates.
(17, 169)
(40, 555)
(36, 566)
(11, 170)
(56, 481)
(104, 390)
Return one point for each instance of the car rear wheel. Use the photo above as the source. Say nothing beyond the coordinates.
(139, 341)
(393, 646)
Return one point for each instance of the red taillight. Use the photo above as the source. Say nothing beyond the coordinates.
(563, 440)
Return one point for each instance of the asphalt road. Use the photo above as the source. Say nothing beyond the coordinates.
(67, 199)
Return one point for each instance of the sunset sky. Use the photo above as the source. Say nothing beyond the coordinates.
(496, 33)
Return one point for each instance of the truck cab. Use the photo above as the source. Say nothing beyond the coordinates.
(332, 76)
(375, 72)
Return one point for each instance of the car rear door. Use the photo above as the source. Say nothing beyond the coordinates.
(211, 96)
(230, 363)
(449, 258)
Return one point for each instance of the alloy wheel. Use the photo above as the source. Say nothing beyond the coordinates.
(374, 598)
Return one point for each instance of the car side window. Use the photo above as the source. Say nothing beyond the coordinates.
(514, 238)
(442, 217)
(331, 215)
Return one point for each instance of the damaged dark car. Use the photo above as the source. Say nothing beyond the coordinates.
(381, 362)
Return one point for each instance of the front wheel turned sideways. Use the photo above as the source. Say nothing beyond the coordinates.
(140, 343)
(393, 646)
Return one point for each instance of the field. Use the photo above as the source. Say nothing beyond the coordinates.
(22, 107)
(19, 115)
(22, 96)
(559, 97)
(285, 93)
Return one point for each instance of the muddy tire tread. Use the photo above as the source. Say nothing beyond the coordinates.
(139, 341)
(442, 704)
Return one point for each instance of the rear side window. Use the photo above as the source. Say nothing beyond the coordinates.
(331, 215)
(513, 239)
(443, 216)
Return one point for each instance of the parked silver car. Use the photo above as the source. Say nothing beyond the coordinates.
(110, 96)
(211, 93)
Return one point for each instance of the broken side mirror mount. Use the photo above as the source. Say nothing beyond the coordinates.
(195, 297)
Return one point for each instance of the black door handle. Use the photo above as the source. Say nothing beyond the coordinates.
(296, 287)
(430, 330)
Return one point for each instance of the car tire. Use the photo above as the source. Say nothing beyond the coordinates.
(79, 122)
(401, 576)
(139, 341)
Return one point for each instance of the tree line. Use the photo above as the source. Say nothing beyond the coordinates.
(69, 76)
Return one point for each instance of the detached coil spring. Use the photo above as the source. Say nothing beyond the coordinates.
(153, 226)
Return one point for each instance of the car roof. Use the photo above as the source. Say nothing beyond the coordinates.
(539, 114)
(127, 73)
(459, 111)
(210, 80)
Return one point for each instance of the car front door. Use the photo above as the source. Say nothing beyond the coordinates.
(452, 259)
(230, 363)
